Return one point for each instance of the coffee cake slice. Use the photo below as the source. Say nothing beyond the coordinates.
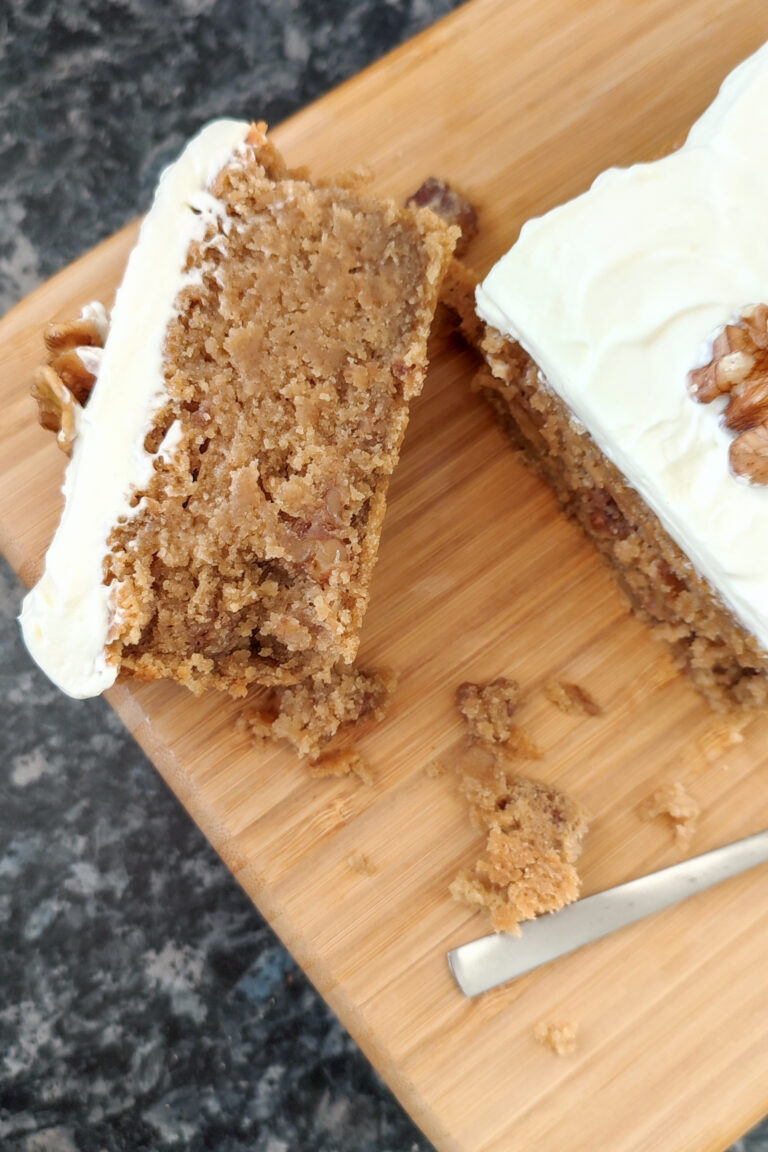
(225, 496)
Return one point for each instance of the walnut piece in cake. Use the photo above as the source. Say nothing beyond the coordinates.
(571, 698)
(488, 709)
(672, 800)
(361, 864)
(559, 1036)
(738, 368)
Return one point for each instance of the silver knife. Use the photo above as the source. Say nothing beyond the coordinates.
(492, 960)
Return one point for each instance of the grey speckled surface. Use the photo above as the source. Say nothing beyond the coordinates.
(143, 1002)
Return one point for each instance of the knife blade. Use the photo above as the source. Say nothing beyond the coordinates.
(492, 960)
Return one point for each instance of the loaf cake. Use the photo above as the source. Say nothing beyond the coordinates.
(626, 340)
(233, 426)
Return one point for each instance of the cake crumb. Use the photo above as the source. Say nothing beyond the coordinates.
(361, 864)
(344, 762)
(488, 709)
(309, 714)
(451, 206)
(674, 801)
(435, 768)
(339, 813)
(534, 835)
(722, 736)
(559, 1036)
(571, 698)
(533, 831)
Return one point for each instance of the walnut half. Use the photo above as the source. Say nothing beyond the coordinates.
(64, 383)
(739, 369)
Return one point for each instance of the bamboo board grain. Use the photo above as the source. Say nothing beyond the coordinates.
(522, 103)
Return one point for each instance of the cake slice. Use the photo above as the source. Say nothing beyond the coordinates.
(617, 329)
(225, 495)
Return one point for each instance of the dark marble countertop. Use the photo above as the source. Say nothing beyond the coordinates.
(144, 1004)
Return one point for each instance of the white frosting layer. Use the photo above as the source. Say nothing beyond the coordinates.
(66, 618)
(616, 296)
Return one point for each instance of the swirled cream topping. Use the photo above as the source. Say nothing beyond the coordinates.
(617, 294)
(67, 617)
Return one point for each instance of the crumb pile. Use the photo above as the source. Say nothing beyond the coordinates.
(488, 710)
(533, 831)
(559, 1036)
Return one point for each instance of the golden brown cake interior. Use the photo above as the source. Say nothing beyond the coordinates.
(298, 343)
(673, 800)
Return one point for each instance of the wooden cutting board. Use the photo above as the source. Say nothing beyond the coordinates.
(521, 103)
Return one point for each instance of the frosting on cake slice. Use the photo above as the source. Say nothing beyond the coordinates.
(617, 297)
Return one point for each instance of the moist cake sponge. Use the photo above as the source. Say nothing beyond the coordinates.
(239, 549)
